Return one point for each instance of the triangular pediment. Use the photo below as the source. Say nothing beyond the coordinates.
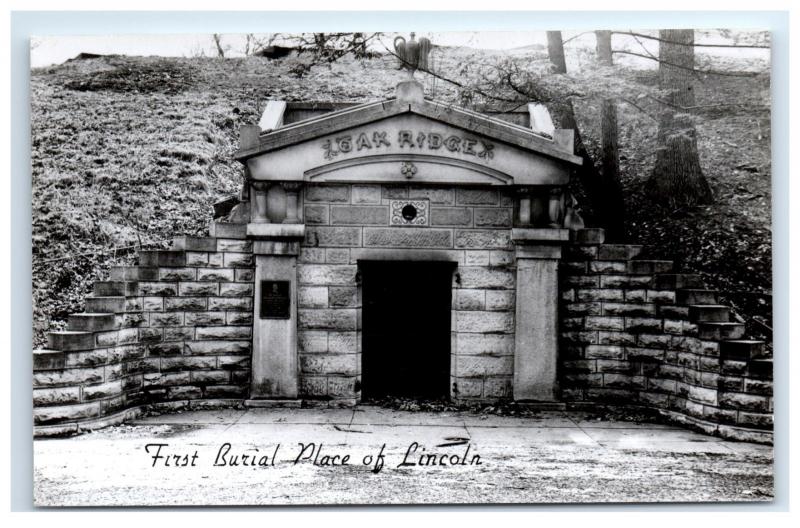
(417, 140)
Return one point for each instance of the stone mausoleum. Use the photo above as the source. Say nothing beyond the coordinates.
(402, 248)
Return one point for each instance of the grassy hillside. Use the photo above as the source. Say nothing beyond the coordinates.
(130, 152)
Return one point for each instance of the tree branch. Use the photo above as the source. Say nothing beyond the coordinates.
(634, 34)
(576, 36)
(454, 82)
(708, 72)
(696, 107)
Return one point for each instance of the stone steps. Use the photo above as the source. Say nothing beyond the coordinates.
(618, 251)
(45, 359)
(93, 322)
(671, 311)
(106, 304)
(693, 302)
(677, 281)
(69, 340)
(742, 350)
(115, 288)
(102, 309)
(188, 243)
(649, 267)
(709, 313)
(720, 331)
(162, 258)
(687, 296)
(760, 368)
(133, 273)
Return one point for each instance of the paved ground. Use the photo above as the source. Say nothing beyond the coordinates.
(555, 457)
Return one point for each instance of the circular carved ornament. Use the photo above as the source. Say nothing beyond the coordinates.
(408, 169)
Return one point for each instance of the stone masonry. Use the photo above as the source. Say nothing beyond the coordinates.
(176, 327)
(636, 332)
(267, 310)
(471, 227)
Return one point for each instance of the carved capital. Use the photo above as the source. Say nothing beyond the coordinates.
(260, 186)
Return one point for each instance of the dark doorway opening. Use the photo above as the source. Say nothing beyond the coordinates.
(406, 329)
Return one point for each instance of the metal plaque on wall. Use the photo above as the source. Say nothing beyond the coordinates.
(275, 300)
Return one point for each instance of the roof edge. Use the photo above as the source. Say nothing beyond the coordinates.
(362, 114)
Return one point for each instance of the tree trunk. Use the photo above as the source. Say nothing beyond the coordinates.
(612, 203)
(555, 49)
(218, 42)
(601, 203)
(677, 178)
(604, 48)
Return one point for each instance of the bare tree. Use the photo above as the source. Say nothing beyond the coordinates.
(563, 112)
(218, 43)
(604, 55)
(677, 178)
(326, 48)
(555, 50)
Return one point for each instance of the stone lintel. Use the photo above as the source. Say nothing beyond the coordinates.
(534, 235)
(276, 239)
(422, 255)
(276, 247)
(280, 232)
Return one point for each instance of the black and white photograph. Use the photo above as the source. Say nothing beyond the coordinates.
(406, 268)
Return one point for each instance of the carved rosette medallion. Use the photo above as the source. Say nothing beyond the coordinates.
(408, 169)
(409, 212)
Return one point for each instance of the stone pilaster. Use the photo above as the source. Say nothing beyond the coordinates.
(536, 332)
(274, 367)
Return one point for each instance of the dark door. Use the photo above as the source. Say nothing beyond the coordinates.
(406, 329)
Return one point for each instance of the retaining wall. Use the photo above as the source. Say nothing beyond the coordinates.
(636, 332)
(175, 328)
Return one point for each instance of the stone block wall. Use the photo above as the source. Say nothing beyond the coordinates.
(634, 331)
(345, 223)
(175, 328)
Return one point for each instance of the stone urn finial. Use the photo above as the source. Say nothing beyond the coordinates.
(413, 54)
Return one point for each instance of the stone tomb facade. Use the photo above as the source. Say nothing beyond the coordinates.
(417, 247)
(410, 248)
